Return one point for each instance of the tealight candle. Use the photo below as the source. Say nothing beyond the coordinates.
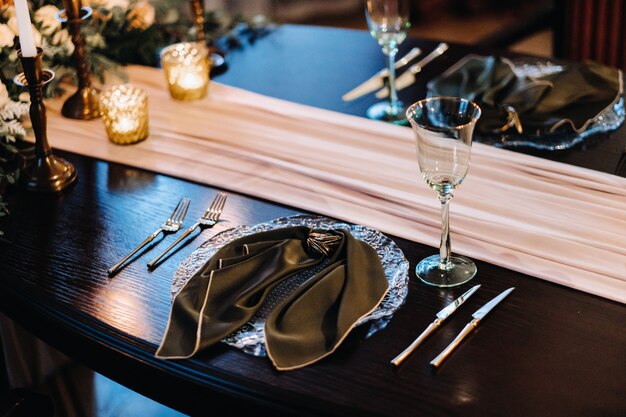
(124, 111)
(124, 125)
(186, 67)
(25, 29)
(191, 81)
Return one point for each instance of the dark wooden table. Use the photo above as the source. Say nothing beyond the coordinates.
(547, 351)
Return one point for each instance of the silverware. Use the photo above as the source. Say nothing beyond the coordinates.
(408, 77)
(377, 80)
(208, 219)
(478, 316)
(172, 224)
(441, 316)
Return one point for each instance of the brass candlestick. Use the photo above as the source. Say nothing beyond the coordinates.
(83, 104)
(197, 11)
(45, 172)
(217, 60)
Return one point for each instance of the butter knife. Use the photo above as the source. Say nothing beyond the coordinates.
(478, 316)
(408, 77)
(377, 80)
(441, 316)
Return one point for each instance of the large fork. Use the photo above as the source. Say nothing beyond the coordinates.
(172, 224)
(208, 219)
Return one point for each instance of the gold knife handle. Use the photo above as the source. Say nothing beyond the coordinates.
(457, 340)
(402, 356)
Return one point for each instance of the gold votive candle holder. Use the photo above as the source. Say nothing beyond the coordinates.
(124, 110)
(186, 66)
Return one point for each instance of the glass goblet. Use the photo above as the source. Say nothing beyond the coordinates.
(388, 21)
(443, 127)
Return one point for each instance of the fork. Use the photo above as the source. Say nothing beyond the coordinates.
(172, 224)
(208, 219)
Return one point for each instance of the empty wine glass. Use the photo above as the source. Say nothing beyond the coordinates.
(388, 21)
(443, 127)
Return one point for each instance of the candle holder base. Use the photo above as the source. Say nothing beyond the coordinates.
(48, 173)
(43, 172)
(82, 105)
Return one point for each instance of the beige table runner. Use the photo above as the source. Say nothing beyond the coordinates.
(550, 220)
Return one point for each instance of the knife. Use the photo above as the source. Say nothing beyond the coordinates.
(478, 316)
(377, 80)
(408, 77)
(441, 316)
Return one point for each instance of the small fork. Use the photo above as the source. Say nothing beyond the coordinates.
(172, 224)
(208, 219)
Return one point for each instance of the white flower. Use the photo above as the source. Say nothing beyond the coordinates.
(171, 16)
(142, 15)
(13, 55)
(95, 40)
(7, 11)
(45, 17)
(6, 36)
(4, 95)
(60, 37)
(37, 36)
(24, 97)
(12, 23)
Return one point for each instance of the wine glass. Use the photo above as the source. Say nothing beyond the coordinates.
(388, 21)
(443, 127)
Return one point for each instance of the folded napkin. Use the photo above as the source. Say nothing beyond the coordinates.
(568, 100)
(225, 293)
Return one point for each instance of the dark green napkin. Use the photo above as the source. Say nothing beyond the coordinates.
(225, 293)
(567, 100)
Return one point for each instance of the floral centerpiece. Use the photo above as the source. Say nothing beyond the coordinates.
(11, 132)
(118, 32)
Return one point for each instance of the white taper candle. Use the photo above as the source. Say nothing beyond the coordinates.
(25, 29)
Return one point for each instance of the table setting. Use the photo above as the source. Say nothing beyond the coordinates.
(339, 257)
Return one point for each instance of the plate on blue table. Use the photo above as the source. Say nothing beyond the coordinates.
(250, 338)
(536, 103)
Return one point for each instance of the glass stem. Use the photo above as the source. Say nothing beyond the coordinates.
(445, 249)
(390, 52)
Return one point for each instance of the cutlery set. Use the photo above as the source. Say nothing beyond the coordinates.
(173, 225)
(377, 81)
(478, 315)
(211, 216)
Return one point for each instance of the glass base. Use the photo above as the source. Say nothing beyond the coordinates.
(460, 271)
(382, 111)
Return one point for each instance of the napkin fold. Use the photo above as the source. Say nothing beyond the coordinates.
(568, 100)
(309, 325)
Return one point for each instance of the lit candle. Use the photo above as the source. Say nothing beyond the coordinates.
(25, 29)
(186, 68)
(124, 111)
(124, 125)
(190, 81)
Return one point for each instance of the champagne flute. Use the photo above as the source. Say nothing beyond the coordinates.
(388, 21)
(443, 127)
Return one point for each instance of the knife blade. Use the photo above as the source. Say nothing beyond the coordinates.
(441, 316)
(408, 77)
(377, 80)
(478, 316)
